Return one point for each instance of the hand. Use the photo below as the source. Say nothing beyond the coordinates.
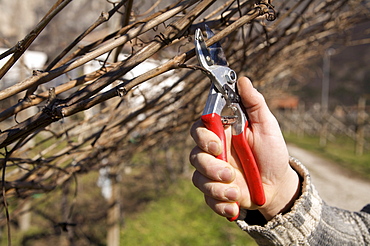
(223, 183)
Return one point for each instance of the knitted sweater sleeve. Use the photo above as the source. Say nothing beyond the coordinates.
(310, 221)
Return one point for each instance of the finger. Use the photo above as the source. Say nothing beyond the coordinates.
(206, 139)
(253, 101)
(217, 190)
(211, 167)
(226, 209)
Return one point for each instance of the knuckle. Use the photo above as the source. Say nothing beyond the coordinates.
(200, 132)
(193, 155)
(195, 179)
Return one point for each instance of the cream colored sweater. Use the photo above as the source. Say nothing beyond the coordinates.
(310, 221)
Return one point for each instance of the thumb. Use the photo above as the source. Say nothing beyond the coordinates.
(253, 101)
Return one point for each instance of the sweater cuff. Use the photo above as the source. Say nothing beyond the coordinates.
(296, 225)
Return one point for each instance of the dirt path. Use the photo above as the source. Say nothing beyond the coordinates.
(335, 184)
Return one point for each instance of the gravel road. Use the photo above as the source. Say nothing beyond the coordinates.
(336, 185)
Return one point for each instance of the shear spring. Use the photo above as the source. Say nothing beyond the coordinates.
(229, 120)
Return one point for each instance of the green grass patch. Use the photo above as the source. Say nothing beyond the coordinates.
(181, 217)
(340, 150)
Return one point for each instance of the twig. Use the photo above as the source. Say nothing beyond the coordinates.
(23, 45)
(104, 17)
(47, 76)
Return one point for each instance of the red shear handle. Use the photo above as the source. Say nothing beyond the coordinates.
(213, 123)
(250, 169)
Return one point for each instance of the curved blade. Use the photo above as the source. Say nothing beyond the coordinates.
(216, 52)
(201, 49)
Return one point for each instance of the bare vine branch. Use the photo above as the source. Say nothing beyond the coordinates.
(113, 111)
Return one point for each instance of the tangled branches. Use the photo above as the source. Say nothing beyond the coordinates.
(108, 114)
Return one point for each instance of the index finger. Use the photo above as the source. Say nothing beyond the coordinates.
(206, 139)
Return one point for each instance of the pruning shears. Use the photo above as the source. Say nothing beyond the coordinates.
(223, 96)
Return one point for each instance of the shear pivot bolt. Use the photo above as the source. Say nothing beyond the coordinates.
(231, 77)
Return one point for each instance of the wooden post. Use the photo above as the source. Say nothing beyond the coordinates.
(301, 125)
(67, 232)
(324, 129)
(24, 219)
(325, 96)
(360, 130)
(114, 213)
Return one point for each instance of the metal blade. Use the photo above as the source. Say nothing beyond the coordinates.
(204, 57)
(216, 52)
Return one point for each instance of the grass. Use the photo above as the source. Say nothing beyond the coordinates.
(341, 151)
(181, 217)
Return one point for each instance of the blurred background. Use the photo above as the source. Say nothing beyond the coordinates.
(97, 99)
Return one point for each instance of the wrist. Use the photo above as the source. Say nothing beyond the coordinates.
(285, 196)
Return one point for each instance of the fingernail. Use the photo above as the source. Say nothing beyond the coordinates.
(231, 194)
(214, 148)
(225, 175)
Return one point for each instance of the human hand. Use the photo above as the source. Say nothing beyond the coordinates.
(223, 183)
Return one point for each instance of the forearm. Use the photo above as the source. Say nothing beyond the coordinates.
(310, 221)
